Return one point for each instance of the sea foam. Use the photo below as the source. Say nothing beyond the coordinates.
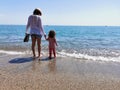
(90, 57)
(11, 52)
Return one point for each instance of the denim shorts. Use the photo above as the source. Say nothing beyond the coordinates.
(36, 36)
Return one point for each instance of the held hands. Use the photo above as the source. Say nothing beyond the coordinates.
(45, 36)
(57, 45)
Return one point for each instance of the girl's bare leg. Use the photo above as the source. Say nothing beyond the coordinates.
(50, 53)
(54, 52)
(33, 46)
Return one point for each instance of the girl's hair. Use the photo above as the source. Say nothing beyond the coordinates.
(37, 12)
(51, 34)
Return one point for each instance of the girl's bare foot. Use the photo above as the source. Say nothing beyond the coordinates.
(50, 57)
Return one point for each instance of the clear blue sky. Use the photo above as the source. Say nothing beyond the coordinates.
(62, 12)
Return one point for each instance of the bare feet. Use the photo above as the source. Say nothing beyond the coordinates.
(38, 57)
(34, 57)
(50, 57)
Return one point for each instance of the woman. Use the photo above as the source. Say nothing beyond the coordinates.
(36, 30)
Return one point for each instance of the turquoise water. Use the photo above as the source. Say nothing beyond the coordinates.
(82, 42)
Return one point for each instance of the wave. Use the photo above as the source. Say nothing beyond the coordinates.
(11, 52)
(71, 55)
(90, 57)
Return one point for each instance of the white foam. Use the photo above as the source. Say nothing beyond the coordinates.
(11, 52)
(88, 57)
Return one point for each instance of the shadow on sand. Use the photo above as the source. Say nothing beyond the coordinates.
(21, 60)
(46, 59)
(27, 59)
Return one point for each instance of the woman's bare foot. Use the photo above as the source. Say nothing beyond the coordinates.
(38, 57)
(34, 57)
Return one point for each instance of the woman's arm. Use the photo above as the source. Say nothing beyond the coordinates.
(41, 27)
(28, 25)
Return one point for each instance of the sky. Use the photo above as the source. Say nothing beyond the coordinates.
(62, 12)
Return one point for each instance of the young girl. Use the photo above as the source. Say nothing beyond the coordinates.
(52, 43)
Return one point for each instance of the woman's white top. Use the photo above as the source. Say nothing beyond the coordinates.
(35, 25)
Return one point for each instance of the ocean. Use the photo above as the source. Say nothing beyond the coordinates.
(98, 43)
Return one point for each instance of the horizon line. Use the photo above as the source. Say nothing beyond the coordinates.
(62, 25)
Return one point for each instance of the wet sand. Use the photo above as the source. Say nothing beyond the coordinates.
(19, 72)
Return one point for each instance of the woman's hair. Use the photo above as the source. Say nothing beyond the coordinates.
(37, 12)
(51, 34)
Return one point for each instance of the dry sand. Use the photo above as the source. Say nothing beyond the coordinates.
(23, 73)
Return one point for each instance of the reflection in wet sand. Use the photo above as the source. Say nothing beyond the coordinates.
(52, 66)
(44, 66)
(34, 65)
(61, 74)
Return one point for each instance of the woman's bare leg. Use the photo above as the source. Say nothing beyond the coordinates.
(33, 46)
(39, 46)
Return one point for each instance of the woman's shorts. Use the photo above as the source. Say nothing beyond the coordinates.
(36, 36)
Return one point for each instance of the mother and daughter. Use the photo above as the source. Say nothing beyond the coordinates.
(36, 31)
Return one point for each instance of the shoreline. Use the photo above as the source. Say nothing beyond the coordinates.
(20, 72)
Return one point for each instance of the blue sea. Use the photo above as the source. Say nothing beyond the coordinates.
(80, 42)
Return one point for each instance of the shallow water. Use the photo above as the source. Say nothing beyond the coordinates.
(81, 42)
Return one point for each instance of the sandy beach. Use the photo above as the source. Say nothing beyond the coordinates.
(18, 72)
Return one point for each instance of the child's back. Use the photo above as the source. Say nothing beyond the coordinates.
(52, 43)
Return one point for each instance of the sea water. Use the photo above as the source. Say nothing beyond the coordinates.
(81, 42)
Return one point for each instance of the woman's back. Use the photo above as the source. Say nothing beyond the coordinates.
(34, 21)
